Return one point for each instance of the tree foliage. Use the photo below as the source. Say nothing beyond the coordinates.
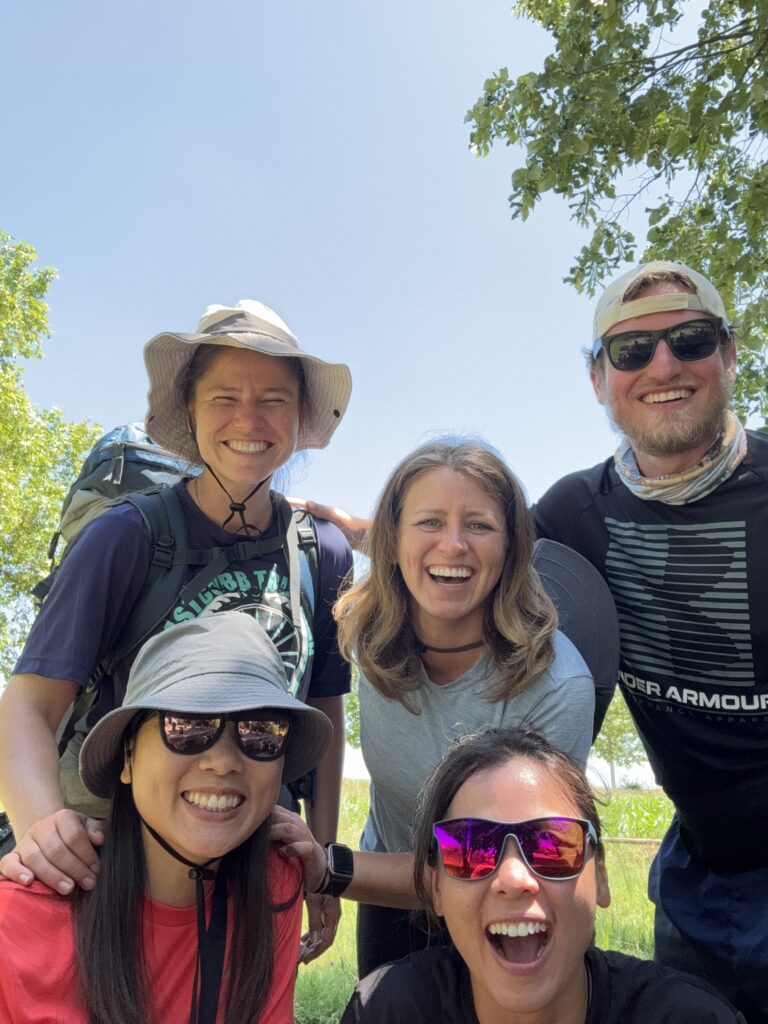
(39, 450)
(618, 743)
(632, 107)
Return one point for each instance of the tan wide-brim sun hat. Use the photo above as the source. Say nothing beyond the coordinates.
(216, 664)
(251, 325)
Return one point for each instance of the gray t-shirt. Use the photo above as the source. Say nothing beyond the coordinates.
(401, 748)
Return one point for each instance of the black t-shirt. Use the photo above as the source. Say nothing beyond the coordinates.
(691, 589)
(433, 987)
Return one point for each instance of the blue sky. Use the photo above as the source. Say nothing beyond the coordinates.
(167, 155)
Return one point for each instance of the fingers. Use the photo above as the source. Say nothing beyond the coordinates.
(96, 830)
(323, 914)
(56, 851)
(295, 839)
(12, 867)
(354, 528)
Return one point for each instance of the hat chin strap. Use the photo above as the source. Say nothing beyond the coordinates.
(238, 507)
(211, 941)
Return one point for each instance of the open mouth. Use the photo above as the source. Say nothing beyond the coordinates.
(660, 397)
(519, 943)
(247, 447)
(211, 802)
(451, 575)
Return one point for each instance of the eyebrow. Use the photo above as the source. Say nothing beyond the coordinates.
(276, 389)
(444, 511)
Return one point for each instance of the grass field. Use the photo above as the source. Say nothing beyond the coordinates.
(323, 987)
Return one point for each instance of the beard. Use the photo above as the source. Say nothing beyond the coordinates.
(677, 432)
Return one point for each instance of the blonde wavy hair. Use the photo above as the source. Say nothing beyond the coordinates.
(519, 620)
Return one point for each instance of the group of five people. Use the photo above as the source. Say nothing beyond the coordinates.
(474, 817)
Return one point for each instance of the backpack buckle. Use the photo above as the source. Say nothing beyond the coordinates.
(163, 551)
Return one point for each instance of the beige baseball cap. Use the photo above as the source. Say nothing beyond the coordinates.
(612, 309)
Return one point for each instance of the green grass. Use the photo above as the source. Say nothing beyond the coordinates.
(323, 987)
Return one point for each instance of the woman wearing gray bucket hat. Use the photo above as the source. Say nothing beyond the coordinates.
(193, 762)
(235, 399)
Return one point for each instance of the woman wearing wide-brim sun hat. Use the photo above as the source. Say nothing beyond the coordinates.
(235, 399)
(195, 916)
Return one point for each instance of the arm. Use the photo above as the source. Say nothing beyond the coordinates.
(385, 879)
(53, 844)
(323, 812)
(324, 912)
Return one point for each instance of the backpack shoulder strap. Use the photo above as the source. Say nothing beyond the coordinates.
(308, 554)
(163, 517)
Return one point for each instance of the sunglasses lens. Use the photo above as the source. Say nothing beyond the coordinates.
(263, 739)
(695, 340)
(553, 847)
(468, 847)
(630, 351)
(189, 734)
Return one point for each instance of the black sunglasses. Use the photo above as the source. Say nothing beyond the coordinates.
(262, 736)
(689, 341)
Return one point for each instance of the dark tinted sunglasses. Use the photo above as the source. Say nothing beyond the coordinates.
(262, 736)
(689, 341)
(553, 848)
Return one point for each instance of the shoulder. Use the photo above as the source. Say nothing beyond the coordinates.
(32, 907)
(113, 526)
(334, 555)
(641, 990)
(331, 541)
(757, 454)
(427, 986)
(583, 482)
(568, 660)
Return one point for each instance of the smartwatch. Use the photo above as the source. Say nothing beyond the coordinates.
(341, 868)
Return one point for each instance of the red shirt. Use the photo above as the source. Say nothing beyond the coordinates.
(37, 979)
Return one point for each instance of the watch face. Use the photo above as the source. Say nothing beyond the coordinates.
(341, 860)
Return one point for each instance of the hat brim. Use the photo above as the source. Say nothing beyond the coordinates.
(101, 756)
(328, 388)
(587, 614)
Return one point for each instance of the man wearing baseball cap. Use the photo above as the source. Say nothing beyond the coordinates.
(677, 523)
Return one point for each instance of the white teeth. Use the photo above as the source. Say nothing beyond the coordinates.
(444, 570)
(248, 447)
(518, 931)
(667, 396)
(211, 802)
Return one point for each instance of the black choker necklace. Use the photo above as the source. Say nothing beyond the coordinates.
(422, 647)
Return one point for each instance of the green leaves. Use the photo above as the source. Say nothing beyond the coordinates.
(625, 107)
(39, 450)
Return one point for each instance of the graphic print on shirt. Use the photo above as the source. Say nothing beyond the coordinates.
(681, 596)
(264, 594)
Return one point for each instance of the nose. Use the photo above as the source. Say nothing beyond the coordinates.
(453, 539)
(249, 411)
(665, 363)
(513, 874)
(224, 756)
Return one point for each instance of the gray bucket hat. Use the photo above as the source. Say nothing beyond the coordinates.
(215, 664)
(252, 325)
